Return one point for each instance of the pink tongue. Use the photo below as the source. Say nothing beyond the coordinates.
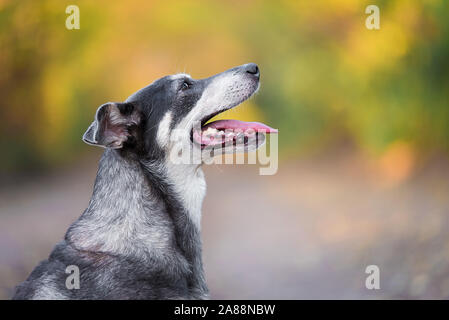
(237, 124)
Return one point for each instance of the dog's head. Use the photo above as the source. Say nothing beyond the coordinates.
(173, 112)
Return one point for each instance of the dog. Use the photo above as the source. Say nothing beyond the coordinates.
(139, 237)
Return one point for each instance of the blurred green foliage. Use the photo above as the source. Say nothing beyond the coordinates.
(325, 77)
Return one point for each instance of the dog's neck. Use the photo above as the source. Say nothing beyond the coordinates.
(142, 209)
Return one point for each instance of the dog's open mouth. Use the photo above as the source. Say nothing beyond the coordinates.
(229, 133)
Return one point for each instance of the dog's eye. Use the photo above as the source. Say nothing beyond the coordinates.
(185, 85)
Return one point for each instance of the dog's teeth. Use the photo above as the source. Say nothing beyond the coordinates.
(250, 133)
(210, 131)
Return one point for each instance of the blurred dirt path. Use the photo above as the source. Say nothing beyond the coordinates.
(307, 232)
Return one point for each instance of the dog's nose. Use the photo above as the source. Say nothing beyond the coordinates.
(253, 69)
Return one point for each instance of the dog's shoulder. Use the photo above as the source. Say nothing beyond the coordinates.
(41, 284)
(101, 276)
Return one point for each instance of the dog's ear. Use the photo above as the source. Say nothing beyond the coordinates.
(113, 125)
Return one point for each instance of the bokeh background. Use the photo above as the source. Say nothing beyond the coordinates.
(364, 136)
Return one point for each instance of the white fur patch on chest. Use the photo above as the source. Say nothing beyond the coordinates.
(190, 185)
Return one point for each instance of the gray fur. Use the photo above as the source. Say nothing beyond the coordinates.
(139, 237)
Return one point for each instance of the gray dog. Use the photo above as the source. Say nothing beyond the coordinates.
(139, 238)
